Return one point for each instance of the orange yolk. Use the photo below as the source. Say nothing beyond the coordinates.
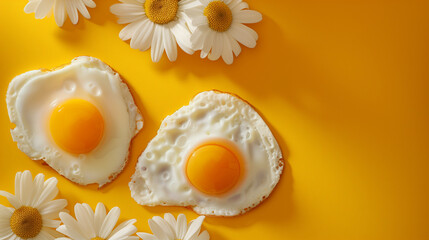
(76, 126)
(213, 169)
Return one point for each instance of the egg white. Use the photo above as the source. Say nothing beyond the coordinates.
(32, 96)
(160, 177)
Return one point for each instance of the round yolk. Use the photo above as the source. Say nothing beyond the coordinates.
(213, 169)
(76, 126)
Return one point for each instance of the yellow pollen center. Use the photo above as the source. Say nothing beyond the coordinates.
(218, 15)
(26, 222)
(97, 238)
(161, 11)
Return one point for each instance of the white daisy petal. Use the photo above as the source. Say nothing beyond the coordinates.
(109, 222)
(244, 35)
(183, 37)
(157, 230)
(138, 35)
(86, 223)
(182, 226)
(99, 216)
(248, 16)
(146, 236)
(168, 228)
(128, 31)
(82, 9)
(16, 203)
(123, 225)
(169, 44)
(217, 47)
(52, 206)
(49, 192)
(51, 223)
(60, 12)
(125, 9)
(171, 220)
(194, 228)
(204, 236)
(38, 183)
(234, 44)
(43, 9)
(238, 7)
(123, 232)
(31, 6)
(165, 227)
(227, 56)
(157, 45)
(208, 43)
(72, 11)
(26, 185)
(89, 3)
(70, 227)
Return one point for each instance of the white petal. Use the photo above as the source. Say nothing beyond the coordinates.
(244, 35)
(49, 192)
(128, 31)
(99, 216)
(59, 12)
(208, 43)
(72, 11)
(146, 236)
(51, 223)
(157, 230)
(227, 50)
(16, 203)
(182, 226)
(204, 236)
(86, 223)
(109, 222)
(199, 20)
(123, 225)
(171, 220)
(161, 222)
(182, 36)
(169, 44)
(237, 6)
(52, 206)
(157, 46)
(82, 8)
(124, 231)
(38, 183)
(247, 16)
(26, 188)
(31, 6)
(217, 47)
(234, 44)
(89, 3)
(70, 227)
(44, 8)
(194, 228)
(139, 33)
(124, 9)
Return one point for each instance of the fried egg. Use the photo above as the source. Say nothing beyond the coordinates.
(79, 119)
(216, 155)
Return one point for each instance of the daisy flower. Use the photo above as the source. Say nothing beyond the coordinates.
(158, 24)
(90, 225)
(34, 212)
(168, 228)
(62, 8)
(219, 27)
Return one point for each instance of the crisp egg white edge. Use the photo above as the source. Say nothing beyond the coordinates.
(136, 121)
(276, 163)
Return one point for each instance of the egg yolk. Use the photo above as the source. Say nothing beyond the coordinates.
(213, 169)
(76, 126)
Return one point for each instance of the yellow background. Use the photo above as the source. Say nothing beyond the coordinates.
(343, 84)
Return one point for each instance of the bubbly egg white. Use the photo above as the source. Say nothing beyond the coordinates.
(160, 177)
(32, 96)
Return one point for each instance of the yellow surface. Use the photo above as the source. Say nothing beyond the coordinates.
(343, 84)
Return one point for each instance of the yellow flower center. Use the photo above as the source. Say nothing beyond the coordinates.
(26, 222)
(219, 16)
(161, 11)
(97, 238)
